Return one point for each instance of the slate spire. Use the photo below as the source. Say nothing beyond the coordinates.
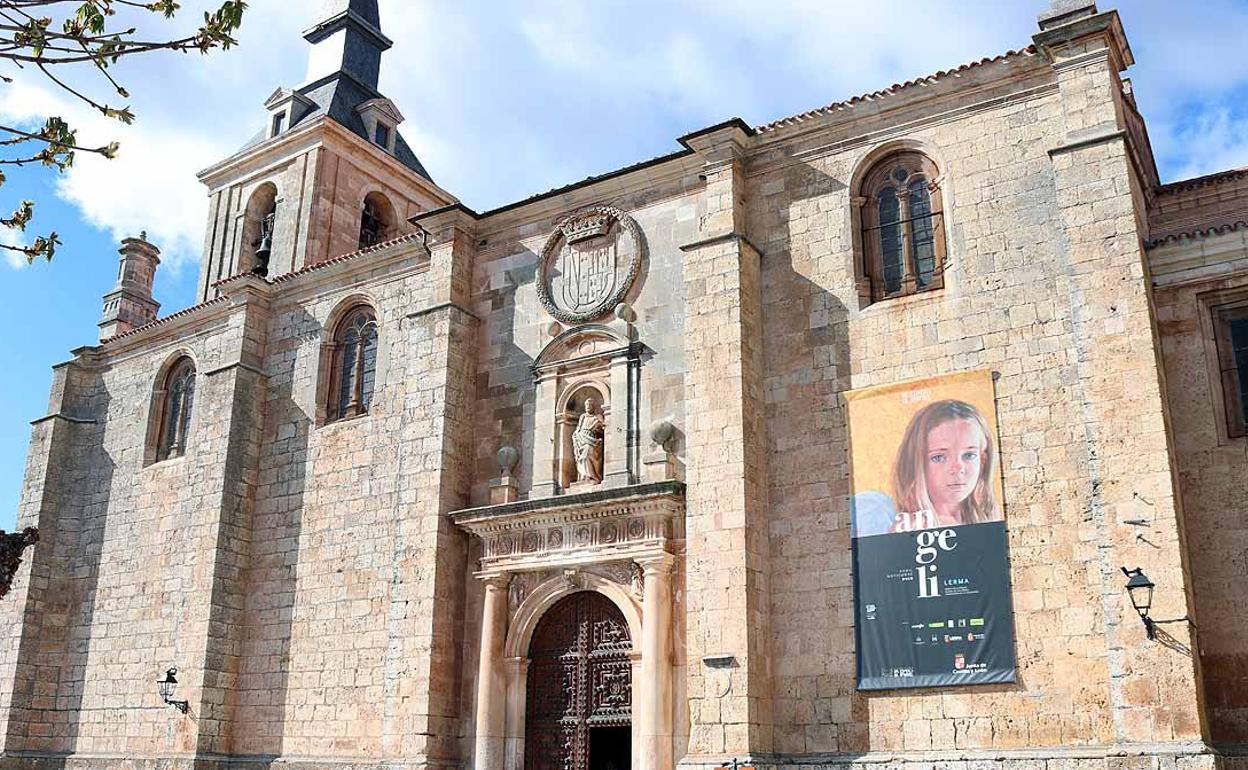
(347, 38)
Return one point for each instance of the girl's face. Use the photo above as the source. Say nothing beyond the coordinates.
(955, 452)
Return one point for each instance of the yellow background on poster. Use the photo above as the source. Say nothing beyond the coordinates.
(879, 416)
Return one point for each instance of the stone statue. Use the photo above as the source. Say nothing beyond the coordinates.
(587, 443)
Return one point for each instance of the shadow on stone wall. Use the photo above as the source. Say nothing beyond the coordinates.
(57, 623)
(257, 704)
(505, 382)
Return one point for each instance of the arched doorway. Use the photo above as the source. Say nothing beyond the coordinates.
(579, 699)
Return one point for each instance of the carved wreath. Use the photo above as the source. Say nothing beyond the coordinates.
(551, 250)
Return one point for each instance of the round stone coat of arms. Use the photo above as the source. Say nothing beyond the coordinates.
(589, 263)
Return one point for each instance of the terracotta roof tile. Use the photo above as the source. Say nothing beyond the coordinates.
(1204, 232)
(408, 238)
(892, 90)
(165, 320)
(1195, 183)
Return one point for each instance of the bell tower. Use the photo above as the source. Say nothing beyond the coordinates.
(327, 173)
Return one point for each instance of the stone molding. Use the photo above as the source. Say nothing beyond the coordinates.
(589, 527)
(1086, 757)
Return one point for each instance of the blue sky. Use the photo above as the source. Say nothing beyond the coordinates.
(506, 99)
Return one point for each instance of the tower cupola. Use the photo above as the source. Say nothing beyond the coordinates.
(348, 39)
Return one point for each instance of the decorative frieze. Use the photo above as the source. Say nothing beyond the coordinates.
(594, 527)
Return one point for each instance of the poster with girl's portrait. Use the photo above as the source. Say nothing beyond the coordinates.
(931, 568)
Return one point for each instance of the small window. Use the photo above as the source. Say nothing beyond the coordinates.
(382, 135)
(1231, 331)
(279, 123)
(175, 421)
(355, 365)
(903, 238)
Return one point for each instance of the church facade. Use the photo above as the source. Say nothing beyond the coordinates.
(582, 482)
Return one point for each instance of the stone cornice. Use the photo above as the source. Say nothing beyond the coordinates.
(383, 256)
(66, 417)
(1106, 23)
(474, 519)
(187, 320)
(650, 175)
(319, 132)
(589, 527)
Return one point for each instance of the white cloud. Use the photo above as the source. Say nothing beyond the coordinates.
(16, 238)
(150, 185)
(1220, 135)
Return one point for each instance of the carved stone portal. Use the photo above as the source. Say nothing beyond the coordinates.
(589, 264)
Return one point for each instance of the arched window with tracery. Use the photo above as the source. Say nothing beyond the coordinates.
(903, 234)
(354, 364)
(376, 220)
(176, 405)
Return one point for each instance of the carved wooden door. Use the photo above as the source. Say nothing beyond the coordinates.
(580, 678)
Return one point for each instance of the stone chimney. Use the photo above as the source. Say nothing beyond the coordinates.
(130, 304)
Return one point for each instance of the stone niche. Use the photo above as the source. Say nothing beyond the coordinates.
(597, 362)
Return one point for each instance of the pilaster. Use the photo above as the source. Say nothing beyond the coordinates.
(1125, 455)
(38, 615)
(233, 424)
(451, 242)
(727, 561)
(654, 713)
(491, 711)
(438, 359)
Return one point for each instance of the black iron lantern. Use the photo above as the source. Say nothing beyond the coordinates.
(167, 687)
(1140, 589)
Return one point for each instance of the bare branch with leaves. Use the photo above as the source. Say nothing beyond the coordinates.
(51, 37)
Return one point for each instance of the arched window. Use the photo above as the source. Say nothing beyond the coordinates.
(355, 365)
(376, 220)
(903, 234)
(175, 414)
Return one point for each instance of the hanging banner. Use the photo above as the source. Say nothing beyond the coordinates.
(931, 568)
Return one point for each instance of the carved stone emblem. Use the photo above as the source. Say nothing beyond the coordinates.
(589, 264)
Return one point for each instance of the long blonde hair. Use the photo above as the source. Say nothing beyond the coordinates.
(909, 477)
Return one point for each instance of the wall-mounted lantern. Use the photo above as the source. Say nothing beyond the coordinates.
(1140, 589)
(167, 687)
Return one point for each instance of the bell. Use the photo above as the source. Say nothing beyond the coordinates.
(263, 251)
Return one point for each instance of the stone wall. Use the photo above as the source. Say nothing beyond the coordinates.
(1044, 286)
(125, 589)
(1193, 275)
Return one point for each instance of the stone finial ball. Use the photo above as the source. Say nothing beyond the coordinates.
(661, 432)
(507, 459)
